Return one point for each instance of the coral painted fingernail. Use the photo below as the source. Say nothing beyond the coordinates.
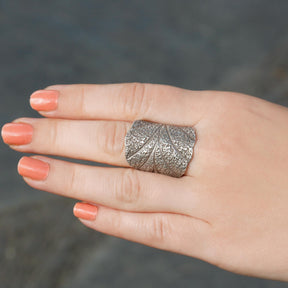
(17, 133)
(85, 211)
(33, 168)
(44, 100)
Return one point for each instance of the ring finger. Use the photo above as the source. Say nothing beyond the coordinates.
(118, 188)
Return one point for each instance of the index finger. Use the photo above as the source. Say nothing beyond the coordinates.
(125, 102)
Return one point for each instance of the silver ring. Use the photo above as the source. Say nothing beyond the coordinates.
(159, 148)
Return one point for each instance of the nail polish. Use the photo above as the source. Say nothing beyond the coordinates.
(33, 168)
(85, 211)
(17, 133)
(44, 100)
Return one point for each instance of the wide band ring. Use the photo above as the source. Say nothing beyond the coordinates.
(159, 148)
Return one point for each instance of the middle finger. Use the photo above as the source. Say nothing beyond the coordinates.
(99, 141)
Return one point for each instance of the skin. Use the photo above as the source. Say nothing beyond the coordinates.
(230, 208)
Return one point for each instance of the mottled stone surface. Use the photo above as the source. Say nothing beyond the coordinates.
(199, 44)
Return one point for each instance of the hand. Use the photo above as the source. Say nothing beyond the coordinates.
(230, 208)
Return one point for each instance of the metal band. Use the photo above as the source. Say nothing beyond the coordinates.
(159, 148)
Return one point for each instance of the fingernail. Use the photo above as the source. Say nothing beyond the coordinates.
(44, 100)
(85, 211)
(33, 168)
(17, 133)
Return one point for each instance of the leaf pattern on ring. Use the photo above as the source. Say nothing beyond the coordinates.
(160, 148)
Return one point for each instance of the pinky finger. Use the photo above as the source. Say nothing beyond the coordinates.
(173, 232)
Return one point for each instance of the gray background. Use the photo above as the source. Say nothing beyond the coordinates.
(195, 44)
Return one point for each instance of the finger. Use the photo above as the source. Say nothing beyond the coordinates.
(119, 188)
(173, 232)
(126, 102)
(99, 141)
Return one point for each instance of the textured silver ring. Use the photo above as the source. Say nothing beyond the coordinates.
(159, 148)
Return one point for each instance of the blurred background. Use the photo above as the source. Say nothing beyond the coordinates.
(195, 44)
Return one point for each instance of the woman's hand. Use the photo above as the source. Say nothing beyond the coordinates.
(230, 208)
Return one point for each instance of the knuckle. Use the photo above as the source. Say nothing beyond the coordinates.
(72, 182)
(54, 134)
(134, 100)
(81, 101)
(160, 229)
(112, 141)
(127, 190)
